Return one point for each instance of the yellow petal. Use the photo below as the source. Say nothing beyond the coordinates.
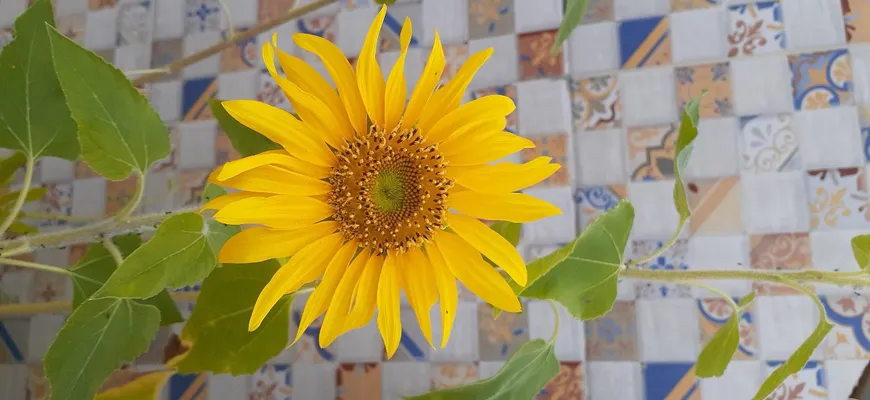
(511, 207)
(335, 320)
(366, 294)
(320, 298)
(278, 158)
(342, 74)
(307, 265)
(282, 211)
(446, 283)
(485, 147)
(272, 179)
(491, 244)
(389, 314)
(396, 90)
(426, 85)
(260, 243)
(476, 129)
(503, 177)
(484, 108)
(419, 284)
(479, 277)
(449, 97)
(368, 72)
(222, 201)
(281, 127)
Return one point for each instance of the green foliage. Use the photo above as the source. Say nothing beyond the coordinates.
(521, 378)
(387, 2)
(7, 201)
(717, 354)
(98, 338)
(34, 118)
(688, 133)
(118, 130)
(861, 250)
(9, 165)
(245, 140)
(574, 12)
(218, 326)
(508, 230)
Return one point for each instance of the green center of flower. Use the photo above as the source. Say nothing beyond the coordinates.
(388, 191)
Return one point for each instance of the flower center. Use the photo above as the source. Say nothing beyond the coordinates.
(389, 190)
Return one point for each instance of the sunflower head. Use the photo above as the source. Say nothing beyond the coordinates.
(374, 194)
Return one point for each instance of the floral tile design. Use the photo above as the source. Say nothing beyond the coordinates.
(507, 90)
(188, 387)
(613, 337)
(567, 384)
(190, 186)
(48, 286)
(850, 337)
(240, 56)
(164, 52)
(821, 80)
(273, 382)
(358, 381)
(555, 146)
(856, 14)
(768, 144)
(118, 194)
(270, 93)
(454, 56)
(135, 22)
(838, 198)
(664, 381)
(715, 79)
(202, 16)
(595, 103)
(445, 375)
(488, 18)
(412, 345)
(680, 5)
(308, 349)
(324, 26)
(598, 11)
(714, 312)
(14, 340)
(224, 150)
(269, 9)
(755, 29)
(58, 200)
(94, 5)
(807, 384)
(672, 259)
(781, 251)
(651, 152)
(195, 96)
(71, 26)
(645, 42)
(716, 206)
(535, 56)
(594, 201)
(500, 338)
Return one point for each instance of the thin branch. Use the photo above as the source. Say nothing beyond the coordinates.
(114, 251)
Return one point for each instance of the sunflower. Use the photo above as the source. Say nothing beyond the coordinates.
(374, 197)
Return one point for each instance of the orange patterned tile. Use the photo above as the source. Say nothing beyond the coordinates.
(567, 384)
(715, 79)
(716, 208)
(651, 152)
(780, 251)
(536, 58)
(556, 147)
(358, 381)
(118, 194)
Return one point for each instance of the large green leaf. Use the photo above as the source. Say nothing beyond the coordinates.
(218, 326)
(182, 252)
(9, 165)
(521, 378)
(118, 130)
(574, 12)
(508, 230)
(717, 354)
(861, 250)
(97, 265)
(98, 338)
(245, 140)
(34, 117)
(583, 275)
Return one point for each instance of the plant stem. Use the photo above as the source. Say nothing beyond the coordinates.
(835, 278)
(23, 310)
(114, 251)
(22, 196)
(59, 217)
(44, 267)
(715, 291)
(558, 321)
(133, 204)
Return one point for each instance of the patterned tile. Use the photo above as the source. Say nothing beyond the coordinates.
(756, 28)
(555, 146)
(838, 199)
(202, 16)
(850, 337)
(680, 5)
(241, 56)
(781, 251)
(821, 80)
(673, 259)
(594, 201)
(98, 4)
(48, 286)
(595, 103)
(507, 90)
(716, 208)
(308, 349)
(268, 9)
(58, 200)
(613, 337)
(196, 94)
(135, 22)
(454, 56)
(412, 345)
(445, 375)
(856, 14)
(358, 381)
(268, 92)
(273, 382)
(664, 381)
(645, 42)
(324, 26)
(500, 337)
(598, 11)
(567, 384)
(768, 144)
(487, 18)
(651, 152)
(14, 338)
(715, 79)
(392, 28)
(71, 26)
(188, 387)
(714, 312)
(807, 384)
(535, 56)
(118, 194)
(164, 52)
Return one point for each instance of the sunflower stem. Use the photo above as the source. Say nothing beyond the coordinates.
(22, 196)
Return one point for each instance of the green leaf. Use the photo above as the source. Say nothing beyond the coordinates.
(800, 357)
(861, 250)
(20, 228)
(582, 275)
(245, 140)
(32, 195)
(34, 117)
(97, 265)
(521, 378)
(508, 230)
(118, 130)
(218, 326)
(9, 165)
(182, 252)
(719, 351)
(387, 2)
(145, 387)
(688, 133)
(574, 12)
(97, 338)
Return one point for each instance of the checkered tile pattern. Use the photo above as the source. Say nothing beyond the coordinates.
(778, 181)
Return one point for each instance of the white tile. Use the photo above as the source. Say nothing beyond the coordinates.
(314, 381)
(841, 377)
(501, 68)
(226, 386)
(537, 15)
(402, 379)
(54, 170)
(360, 345)
(463, 343)
(100, 29)
(740, 381)
(699, 34)
(330, 9)
(488, 369)
(196, 144)
(238, 85)
(648, 96)
(600, 157)
(829, 138)
(558, 228)
(860, 55)
(200, 41)
(832, 250)
(166, 99)
(668, 330)
(449, 17)
(61, 8)
(614, 380)
(243, 12)
(544, 107)
(593, 49)
(714, 153)
(813, 23)
(169, 19)
(761, 85)
(16, 285)
(570, 343)
(654, 214)
(160, 192)
(89, 196)
(353, 25)
(784, 322)
(632, 9)
(775, 202)
(133, 57)
(11, 9)
(712, 253)
(13, 380)
(43, 330)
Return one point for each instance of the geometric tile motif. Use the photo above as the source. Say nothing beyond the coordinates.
(714, 79)
(806, 384)
(664, 381)
(756, 29)
(595, 103)
(850, 337)
(202, 16)
(715, 312)
(672, 259)
(613, 336)
(821, 80)
(856, 15)
(196, 94)
(838, 198)
(651, 152)
(768, 144)
(716, 207)
(188, 387)
(645, 42)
